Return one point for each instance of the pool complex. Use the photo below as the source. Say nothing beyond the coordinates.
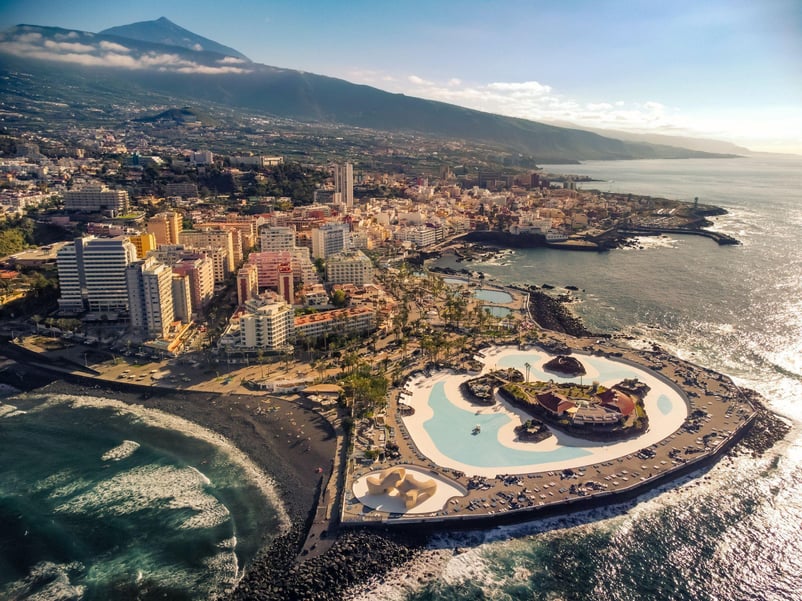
(444, 424)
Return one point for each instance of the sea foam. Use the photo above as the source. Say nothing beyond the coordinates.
(160, 419)
(126, 449)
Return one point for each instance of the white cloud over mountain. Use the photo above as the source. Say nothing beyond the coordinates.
(83, 49)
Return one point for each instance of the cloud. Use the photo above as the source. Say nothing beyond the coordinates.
(419, 81)
(68, 46)
(111, 46)
(533, 100)
(232, 60)
(108, 54)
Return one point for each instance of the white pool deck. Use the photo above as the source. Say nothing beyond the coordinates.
(661, 426)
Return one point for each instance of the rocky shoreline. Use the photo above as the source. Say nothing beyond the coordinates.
(357, 556)
(551, 314)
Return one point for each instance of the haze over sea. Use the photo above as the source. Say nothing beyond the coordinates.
(734, 532)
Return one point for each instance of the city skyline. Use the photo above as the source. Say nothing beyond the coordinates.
(725, 69)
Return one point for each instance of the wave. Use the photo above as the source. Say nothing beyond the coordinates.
(160, 419)
(46, 581)
(126, 449)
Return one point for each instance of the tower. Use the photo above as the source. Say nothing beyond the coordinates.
(344, 184)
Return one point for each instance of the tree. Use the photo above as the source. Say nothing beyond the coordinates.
(339, 298)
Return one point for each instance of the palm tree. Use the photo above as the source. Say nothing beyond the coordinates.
(528, 366)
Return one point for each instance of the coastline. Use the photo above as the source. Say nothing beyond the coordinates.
(358, 555)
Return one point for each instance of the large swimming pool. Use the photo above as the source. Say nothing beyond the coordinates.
(444, 424)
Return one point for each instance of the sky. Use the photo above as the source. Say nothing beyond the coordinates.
(723, 69)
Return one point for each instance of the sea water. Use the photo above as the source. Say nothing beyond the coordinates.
(99, 500)
(732, 532)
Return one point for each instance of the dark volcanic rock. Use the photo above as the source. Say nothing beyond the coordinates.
(356, 557)
(564, 364)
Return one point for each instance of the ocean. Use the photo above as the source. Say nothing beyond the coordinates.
(733, 531)
(100, 500)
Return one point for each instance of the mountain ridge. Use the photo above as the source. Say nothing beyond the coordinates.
(142, 68)
(164, 31)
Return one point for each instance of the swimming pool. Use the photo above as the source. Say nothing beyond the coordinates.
(452, 427)
(444, 423)
(493, 296)
(497, 311)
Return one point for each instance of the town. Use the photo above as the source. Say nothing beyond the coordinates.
(147, 267)
(151, 244)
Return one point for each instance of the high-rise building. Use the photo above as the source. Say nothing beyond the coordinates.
(275, 238)
(265, 325)
(198, 268)
(286, 290)
(166, 227)
(352, 267)
(212, 239)
(182, 297)
(247, 283)
(144, 243)
(329, 239)
(72, 287)
(94, 271)
(97, 199)
(150, 297)
(344, 184)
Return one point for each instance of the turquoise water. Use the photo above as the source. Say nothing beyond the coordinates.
(451, 430)
(493, 296)
(664, 404)
(100, 503)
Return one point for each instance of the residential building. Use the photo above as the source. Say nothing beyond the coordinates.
(276, 238)
(166, 227)
(97, 199)
(212, 239)
(262, 324)
(329, 239)
(144, 243)
(150, 297)
(247, 283)
(92, 274)
(342, 322)
(268, 263)
(257, 161)
(344, 184)
(183, 189)
(352, 267)
(198, 268)
(202, 157)
(286, 290)
(182, 297)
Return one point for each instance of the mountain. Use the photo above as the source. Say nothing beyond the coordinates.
(183, 116)
(75, 67)
(164, 31)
